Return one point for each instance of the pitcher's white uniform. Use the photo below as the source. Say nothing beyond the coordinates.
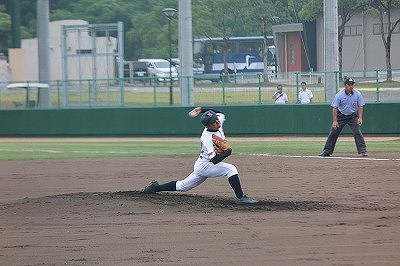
(203, 168)
(209, 164)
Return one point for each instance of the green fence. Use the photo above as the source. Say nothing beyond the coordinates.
(237, 89)
(289, 119)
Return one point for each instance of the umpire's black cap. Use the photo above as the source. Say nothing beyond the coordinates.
(349, 81)
(208, 117)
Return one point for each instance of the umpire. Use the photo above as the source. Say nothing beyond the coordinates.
(345, 106)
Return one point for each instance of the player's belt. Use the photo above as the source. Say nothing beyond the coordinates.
(340, 113)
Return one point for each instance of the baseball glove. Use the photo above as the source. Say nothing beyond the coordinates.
(220, 144)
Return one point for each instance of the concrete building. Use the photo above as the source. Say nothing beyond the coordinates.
(363, 47)
(80, 47)
(302, 50)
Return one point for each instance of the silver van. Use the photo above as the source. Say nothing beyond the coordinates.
(159, 68)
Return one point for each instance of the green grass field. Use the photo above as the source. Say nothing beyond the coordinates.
(23, 150)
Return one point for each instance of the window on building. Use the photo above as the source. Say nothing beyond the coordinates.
(377, 28)
(353, 30)
(84, 51)
(291, 54)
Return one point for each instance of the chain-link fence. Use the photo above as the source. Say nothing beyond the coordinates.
(238, 89)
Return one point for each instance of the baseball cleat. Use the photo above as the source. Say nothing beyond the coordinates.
(364, 154)
(324, 154)
(246, 200)
(151, 188)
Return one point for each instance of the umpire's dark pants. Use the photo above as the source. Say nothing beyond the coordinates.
(343, 120)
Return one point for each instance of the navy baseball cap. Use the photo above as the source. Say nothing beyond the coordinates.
(349, 81)
(209, 117)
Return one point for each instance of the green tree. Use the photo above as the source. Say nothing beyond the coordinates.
(201, 22)
(5, 30)
(264, 14)
(149, 33)
(263, 11)
(347, 9)
(145, 26)
(254, 17)
(223, 16)
(382, 9)
(100, 11)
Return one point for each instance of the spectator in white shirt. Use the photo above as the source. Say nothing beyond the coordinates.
(279, 96)
(305, 95)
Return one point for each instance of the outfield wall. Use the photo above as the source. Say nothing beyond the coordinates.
(290, 119)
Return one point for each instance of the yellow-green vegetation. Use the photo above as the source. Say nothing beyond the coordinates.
(138, 94)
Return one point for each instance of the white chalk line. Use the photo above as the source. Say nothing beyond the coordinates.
(328, 158)
(254, 154)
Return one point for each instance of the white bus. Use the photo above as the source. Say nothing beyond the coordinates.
(244, 54)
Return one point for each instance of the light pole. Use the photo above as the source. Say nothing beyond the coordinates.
(169, 13)
(275, 20)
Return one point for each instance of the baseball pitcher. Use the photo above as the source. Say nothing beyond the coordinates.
(214, 149)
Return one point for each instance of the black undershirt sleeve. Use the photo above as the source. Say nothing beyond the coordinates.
(219, 157)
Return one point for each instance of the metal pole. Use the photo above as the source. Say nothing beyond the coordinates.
(120, 26)
(171, 98)
(16, 23)
(169, 13)
(297, 88)
(43, 18)
(377, 85)
(185, 48)
(331, 48)
(64, 65)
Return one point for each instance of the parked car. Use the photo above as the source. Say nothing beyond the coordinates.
(135, 69)
(140, 69)
(159, 68)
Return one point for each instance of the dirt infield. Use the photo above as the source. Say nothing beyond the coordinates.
(312, 211)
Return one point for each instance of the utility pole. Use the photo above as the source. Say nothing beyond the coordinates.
(43, 19)
(186, 52)
(16, 23)
(331, 48)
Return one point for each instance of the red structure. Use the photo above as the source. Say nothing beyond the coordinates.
(290, 50)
